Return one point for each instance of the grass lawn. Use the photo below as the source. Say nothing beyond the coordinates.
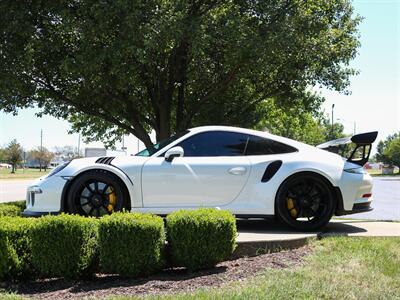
(22, 173)
(340, 268)
(379, 173)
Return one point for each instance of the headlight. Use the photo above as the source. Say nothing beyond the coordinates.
(58, 168)
(359, 170)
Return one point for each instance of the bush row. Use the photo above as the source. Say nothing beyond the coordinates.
(12, 209)
(128, 244)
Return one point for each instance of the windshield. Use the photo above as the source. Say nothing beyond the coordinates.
(161, 144)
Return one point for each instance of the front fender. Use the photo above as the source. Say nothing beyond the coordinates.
(135, 197)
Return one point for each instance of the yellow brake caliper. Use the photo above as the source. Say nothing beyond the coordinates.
(112, 200)
(290, 206)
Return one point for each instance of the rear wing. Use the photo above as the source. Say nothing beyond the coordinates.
(356, 148)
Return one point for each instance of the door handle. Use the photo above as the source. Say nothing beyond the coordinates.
(237, 170)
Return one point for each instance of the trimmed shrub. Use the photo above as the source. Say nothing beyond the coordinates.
(131, 244)
(200, 238)
(15, 247)
(65, 246)
(12, 208)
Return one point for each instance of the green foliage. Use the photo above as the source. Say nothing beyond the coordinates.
(134, 66)
(392, 151)
(14, 153)
(9, 210)
(64, 246)
(301, 121)
(131, 244)
(3, 155)
(42, 156)
(15, 247)
(388, 150)
(12, 208)
(200, 238)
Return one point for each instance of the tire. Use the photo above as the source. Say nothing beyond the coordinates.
(305, 202)
(96, 193)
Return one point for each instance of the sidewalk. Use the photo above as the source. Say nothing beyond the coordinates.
(271, 231)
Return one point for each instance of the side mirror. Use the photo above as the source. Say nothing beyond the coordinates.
(173, 152)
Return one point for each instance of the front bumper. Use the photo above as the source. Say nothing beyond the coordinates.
(44, 196)
(36, 214)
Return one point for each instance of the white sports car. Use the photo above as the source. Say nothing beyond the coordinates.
(250, 173)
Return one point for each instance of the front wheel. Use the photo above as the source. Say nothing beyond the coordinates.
(96, 193)
(305, 202)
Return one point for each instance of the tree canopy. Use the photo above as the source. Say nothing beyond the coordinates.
(42, 156)
(14, 154)
(388, 150)
(114, 67)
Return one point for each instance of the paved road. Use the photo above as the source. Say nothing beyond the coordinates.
(12, 190)
(386, 203)
(386, 195)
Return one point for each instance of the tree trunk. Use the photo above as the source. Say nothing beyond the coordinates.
(165, 123)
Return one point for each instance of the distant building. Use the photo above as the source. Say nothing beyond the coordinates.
(95, 152)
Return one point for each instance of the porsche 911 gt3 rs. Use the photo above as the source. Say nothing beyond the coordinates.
(248, 172)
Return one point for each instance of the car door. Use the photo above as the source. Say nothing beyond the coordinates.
(212, 172)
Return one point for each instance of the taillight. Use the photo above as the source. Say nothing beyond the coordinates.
(369, 195)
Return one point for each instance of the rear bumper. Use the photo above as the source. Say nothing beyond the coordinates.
(357, 208)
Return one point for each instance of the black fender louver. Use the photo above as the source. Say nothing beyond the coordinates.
(105, 160)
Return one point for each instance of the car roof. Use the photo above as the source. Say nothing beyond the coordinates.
(264, 134)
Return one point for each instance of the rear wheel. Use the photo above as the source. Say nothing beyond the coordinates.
(305, 202)
(96, 193)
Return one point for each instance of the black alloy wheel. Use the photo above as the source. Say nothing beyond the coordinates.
(305, 202)
(96, 193)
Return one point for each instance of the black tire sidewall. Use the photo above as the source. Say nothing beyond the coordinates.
(101, 176)
(283, 213)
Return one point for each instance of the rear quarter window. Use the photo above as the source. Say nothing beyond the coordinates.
(263, 146)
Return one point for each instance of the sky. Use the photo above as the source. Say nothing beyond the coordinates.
(374, 103)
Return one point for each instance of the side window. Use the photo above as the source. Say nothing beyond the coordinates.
(215, 143)
(262, 146)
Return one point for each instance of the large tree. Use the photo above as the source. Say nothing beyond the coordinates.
(42, 156)
(388, 151)
(114, 67)
(14, 154)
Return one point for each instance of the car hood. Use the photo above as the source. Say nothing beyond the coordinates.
(78, 165)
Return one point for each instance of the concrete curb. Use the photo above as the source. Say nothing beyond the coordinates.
(254, 240)
(254, 248)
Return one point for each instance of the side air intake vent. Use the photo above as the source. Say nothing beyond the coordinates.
(105, 160)
(271, 170)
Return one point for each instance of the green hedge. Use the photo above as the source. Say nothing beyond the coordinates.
(12, 208)
(200, 238)
(131, 244)
(15, 247)
(65, 246)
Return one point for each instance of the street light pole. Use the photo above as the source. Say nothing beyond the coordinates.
(123, 144)
(333, 106)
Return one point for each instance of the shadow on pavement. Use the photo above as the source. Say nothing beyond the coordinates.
(260, 226)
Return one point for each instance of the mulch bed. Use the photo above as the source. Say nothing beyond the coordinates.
(168, 281)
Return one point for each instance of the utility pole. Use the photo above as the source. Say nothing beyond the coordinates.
(41, 139)
(79, 145)
(355, 127)
(333, 106)
(41, 150)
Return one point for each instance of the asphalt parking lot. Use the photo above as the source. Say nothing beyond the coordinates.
(386, 194)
